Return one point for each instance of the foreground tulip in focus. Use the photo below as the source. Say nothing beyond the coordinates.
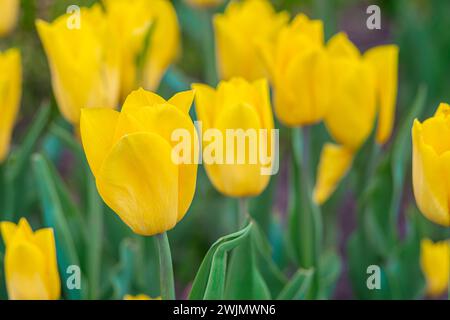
(10, 93)
(238, 31)
(149, 39)
(435, 262)
(130, 155)
(431, 165)
(9, 12)
(84, 61)
(31, 269)
(240, 105)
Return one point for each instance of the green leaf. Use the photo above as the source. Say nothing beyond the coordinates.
(124, 272)
(54, 217)
(14, 170)
(299, 285)
(209, 283)
(330, 270)
(243, 279)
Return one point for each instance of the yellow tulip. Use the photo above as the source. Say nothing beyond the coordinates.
(84, 61)
(352, 112)
(31, 270)
(139, 297)
(431, 165)
(146, 30)
(363, 86)
(235, 104)
(130, 155)
(10, 92)
(237, 33)
(9, 12)
(204, 3)
(300, 72)
(435, 263)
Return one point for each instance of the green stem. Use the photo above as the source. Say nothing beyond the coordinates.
(208, 49)
(165, 268)
(96, 231)
(242, 212)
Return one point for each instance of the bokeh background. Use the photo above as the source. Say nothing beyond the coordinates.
(421, 28)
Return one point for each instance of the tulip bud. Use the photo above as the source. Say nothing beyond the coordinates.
(235, 107)
(84, 62)
(435, 263)
(130, 155)
(31, 270)
(9, 12)
(10, 92)
(431, 165)
(237, 33)
(149, 39)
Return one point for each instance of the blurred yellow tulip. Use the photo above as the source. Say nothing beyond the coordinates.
(31, 270)
(139, 297)
(237, 33)
(84, 61)
(204, 3)
(363, 85)
(435, 263)
(236, 105)
(10, 92)
(300, 72)
(9, 12)
(130, 155)
(431, 165)
(335, 161)
(149, 38)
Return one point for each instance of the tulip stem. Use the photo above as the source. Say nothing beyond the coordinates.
(242, 212)
(165, 267)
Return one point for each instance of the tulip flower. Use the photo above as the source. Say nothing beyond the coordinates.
(31, 270)
(239, 105)
(435, 263)
(363, 86)
(9, 12)
(149, 39)
(10, 92)
(84, 61)
(299, 69)
(130, 155)
(431, 165)
(204, 3)
(139, 297)
(237, 32)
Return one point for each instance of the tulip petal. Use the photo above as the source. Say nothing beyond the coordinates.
(10, 94)
(183, 100)
(205, 104)
(352, 111)
(340, 46)
(233, 178)
(430, 188)
(385, 61)
(140, 98)
(25, 272)
(7, 229)
(97, 127)
(435, 264)
(139, 182)
(45, 240)
(334, 163)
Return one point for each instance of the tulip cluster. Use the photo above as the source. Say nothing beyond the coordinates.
(91, 68)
